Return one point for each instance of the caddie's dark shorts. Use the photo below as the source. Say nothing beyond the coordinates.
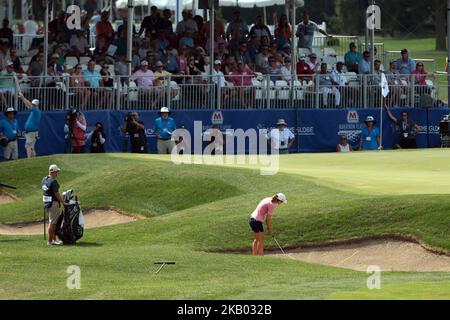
(257, 226)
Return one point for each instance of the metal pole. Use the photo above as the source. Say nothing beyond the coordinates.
(372, 41)
(130, 35)
(10, 12)
(211, 47)
(294, 43)
(265, 15)
(46, 37)
(448, 49)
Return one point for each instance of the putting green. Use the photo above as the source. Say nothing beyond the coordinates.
(196, 208)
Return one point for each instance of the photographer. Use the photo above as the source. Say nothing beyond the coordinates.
(407, 129)
(136, 129)
(98, 139)
(75, 129)
(9, 132)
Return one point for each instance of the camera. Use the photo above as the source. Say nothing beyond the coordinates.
(130, 117)
(444, 131)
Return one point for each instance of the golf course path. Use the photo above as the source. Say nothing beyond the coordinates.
(6, 198)
(389, 255)
(93, 219)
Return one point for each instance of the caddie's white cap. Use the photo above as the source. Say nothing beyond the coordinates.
(281, 197)
(164, 109)
(35, 102)
(54, 168)
(217, 62)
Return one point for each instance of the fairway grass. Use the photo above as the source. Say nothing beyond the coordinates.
(193, 210)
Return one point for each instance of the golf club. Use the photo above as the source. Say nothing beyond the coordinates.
(162, 263)
(281, 248)
(7, 186)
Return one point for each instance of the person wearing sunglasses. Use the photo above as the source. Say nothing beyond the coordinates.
(406, 128)
(420, 75)
(343, 145)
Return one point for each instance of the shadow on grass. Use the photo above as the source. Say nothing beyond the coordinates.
(15, 240)
(87, 244)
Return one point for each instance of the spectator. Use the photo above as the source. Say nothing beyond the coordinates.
(163, 128)
(262, 60)
(281, 138)
(36, 68)
(199, 56)
(370, 136)
(107, 83)
(396, 87)
(194, 72)
(187, 39)
(375, 79)
(253, 48)
(260, 30)
(79, 44)
(58, 25)
(6, 32)
(405, 64)
(79, 85)
(286, 51)
(182, 60)
(313, 63)
(364, 66)
(187, 24)
(15, 60)
(327, 86)
(9, 132)
(96, 18)
(98, 139)
(274, 69)
(304, 71)
(91, 75)
(104, 29)
(217, 74)
(219, 29)
(77, 131)
(7, 84)
(31, 125)
(242, 79)
(136, 130)
(305, 32)
(352, 59)
(4, 53)
(143, 77)
(161, 76)
(172, 63)
(151, 23)
(283, 32)
(31, 30)
(55, 64)
(338, 75)
(101, 51)
(420, 79)
(237, 30)
(230, 65)
(222, 52)
(165, 23)
(243, 54)
(343, 145)
(407, 130)
(121, 66)
(286, 72)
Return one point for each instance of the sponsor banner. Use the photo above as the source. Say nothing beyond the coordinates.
(316, 130)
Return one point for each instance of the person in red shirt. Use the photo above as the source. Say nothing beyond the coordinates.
(242, 79)
(77, 129)
(304, 71)
(104, 28)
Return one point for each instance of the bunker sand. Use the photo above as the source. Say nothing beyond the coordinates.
(6, 198)
(389, 255)
(94, 218)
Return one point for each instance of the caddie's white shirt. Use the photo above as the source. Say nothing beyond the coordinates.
(280, 139)
(31, 27)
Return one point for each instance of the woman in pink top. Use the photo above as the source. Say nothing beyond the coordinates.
(264, 210)
(420, 79)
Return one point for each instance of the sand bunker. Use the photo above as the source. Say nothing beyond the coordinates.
(92, 218)
(6, 198)
(389, 255)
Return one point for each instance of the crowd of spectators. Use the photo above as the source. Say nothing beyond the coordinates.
(239, 53)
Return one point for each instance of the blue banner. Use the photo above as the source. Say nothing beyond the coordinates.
(316, 130)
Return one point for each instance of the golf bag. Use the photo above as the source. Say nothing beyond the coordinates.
(70, 226)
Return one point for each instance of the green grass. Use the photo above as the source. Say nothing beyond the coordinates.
(198, 208)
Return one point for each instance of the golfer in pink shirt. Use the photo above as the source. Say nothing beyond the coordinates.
(264, 210)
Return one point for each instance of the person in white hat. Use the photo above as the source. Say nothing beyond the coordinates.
(264, 211)
(281, 138)
(370, 135)
(9, 132)
(163, 128)
(52, 201)
(32, 125)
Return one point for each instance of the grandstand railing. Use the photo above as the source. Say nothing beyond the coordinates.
(328, 91)
(22, 42)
